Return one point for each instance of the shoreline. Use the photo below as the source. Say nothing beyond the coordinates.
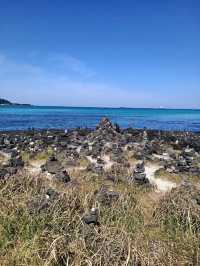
(98, 186)
(61, 130)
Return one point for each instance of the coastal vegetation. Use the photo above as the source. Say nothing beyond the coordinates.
(131, 232)
(99, 197)
(6, 102)
(3, 101)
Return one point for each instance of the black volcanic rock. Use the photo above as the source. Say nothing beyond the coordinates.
(105, 123)
(106, 196)
(63, 176)
(139, 176)
(16, 162)
(3, 172)
(52, 166)
(91, 217)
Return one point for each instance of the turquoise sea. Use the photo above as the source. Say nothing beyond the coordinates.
(23, 118)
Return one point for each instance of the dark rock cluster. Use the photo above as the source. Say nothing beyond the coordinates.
(91, 217)
(54, 167)
(106, 196)
(11, 165)
(178, 152)
(138, 176)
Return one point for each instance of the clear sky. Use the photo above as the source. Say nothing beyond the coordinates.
(131, 53)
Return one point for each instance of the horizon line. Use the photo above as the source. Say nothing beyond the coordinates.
(100, 107)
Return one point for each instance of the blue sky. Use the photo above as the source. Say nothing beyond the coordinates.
(101, 53)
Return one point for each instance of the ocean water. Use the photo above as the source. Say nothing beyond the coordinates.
(23, 118)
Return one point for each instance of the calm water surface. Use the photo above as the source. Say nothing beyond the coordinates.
(20, 118)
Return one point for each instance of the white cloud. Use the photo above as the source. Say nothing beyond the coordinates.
(74, 64)
(64, 80)
(30, 83)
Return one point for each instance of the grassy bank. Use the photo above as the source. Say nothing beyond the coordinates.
(137, 229)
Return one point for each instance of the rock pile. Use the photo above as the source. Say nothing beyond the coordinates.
(179, 152)
(106, 197)
(139, 176)
(54, 167)
(91, 217)
(11, 166)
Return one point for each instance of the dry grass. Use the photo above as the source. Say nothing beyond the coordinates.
(175, 178)
(35, 231)
(3, 158)
(130, 156)
(44, 155)
(181, 208)
(83, 162)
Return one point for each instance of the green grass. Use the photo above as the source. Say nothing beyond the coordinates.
(161, 173)
(44, 155)
(55, 234)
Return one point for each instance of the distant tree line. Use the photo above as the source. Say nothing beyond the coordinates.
(3, 101)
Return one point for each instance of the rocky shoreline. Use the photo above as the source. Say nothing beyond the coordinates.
(106, 149)
(125, 189)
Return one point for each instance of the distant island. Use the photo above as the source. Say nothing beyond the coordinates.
(6, 102)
